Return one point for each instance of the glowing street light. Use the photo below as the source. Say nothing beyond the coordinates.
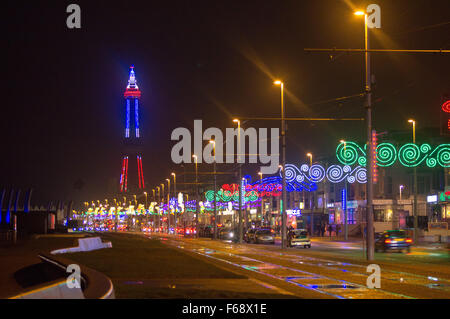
(175, 195)
(415, 185)
(283, 163)
(241, 228)
(310, 158)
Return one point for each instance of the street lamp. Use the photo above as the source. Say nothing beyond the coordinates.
(159, 208)
(345, 183)
(368, 93)
(215, 190)
(176, 200)
(415, 186)
(168, 205)
(162, 203)
(310, 158)
(262, 198)
(240, 182)
(401, 188)
(312, 209)
(283, 163)
(196, 196)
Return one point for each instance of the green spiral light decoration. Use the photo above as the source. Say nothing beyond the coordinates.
(386, 154)
(409, 155)
(227, 196)
(349, 153)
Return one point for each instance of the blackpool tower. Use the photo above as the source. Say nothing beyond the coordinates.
(132, 151)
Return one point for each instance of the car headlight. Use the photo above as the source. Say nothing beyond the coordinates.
(231, 235)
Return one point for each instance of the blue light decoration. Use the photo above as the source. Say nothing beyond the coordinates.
(317, 173)
(136, 116)
(344, 199)
(273, 185)
(127, 124)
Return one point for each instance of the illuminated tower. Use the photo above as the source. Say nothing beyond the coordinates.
(132, 141)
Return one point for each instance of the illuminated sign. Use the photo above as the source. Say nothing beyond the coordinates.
(432, 199)
(444, 196)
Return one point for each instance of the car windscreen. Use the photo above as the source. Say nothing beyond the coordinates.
(300, 234)
(264, 232)
(396, 234)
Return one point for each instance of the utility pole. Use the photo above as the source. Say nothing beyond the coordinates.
(196, 197)
(215, 192)
(368, 89)
(283, 164)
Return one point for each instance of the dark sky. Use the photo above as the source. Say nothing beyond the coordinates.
(63, 88)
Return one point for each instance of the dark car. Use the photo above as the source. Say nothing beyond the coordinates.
(206, 231)
(249, 235)
(266, 236)
(393, 240)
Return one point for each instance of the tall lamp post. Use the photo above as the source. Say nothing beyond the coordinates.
(262, 198)
(283, 164)
(312, 208)
(176, 200)
(196, 197)
(159, 208)
(345, 207)
(146, 212)
(401, 189)
(416, 230)
(162, 202)
(368, 93)
(240, 238)
(215, 190)
(168, 205)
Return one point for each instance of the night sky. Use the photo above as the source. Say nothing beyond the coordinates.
(63, 88)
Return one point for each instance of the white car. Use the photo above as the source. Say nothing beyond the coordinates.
(300, 238)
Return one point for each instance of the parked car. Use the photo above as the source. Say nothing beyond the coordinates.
(393, 240)
(299, 237)
(266, 236)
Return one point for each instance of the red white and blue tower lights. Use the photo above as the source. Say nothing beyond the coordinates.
(132, 95)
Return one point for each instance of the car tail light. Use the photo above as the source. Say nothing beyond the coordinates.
(408, 240)
(388, 241)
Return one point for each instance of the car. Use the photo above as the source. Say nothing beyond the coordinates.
(226, 234)
(249, 235)
(396, 240)
(206, 231)
(299, 237)
(266, 236)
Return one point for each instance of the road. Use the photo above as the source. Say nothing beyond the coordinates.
(329, 269)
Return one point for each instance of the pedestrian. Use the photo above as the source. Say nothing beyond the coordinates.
(322, 229)
(337, 230)
(330, 229)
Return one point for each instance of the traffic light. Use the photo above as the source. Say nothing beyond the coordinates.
(445, 115)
